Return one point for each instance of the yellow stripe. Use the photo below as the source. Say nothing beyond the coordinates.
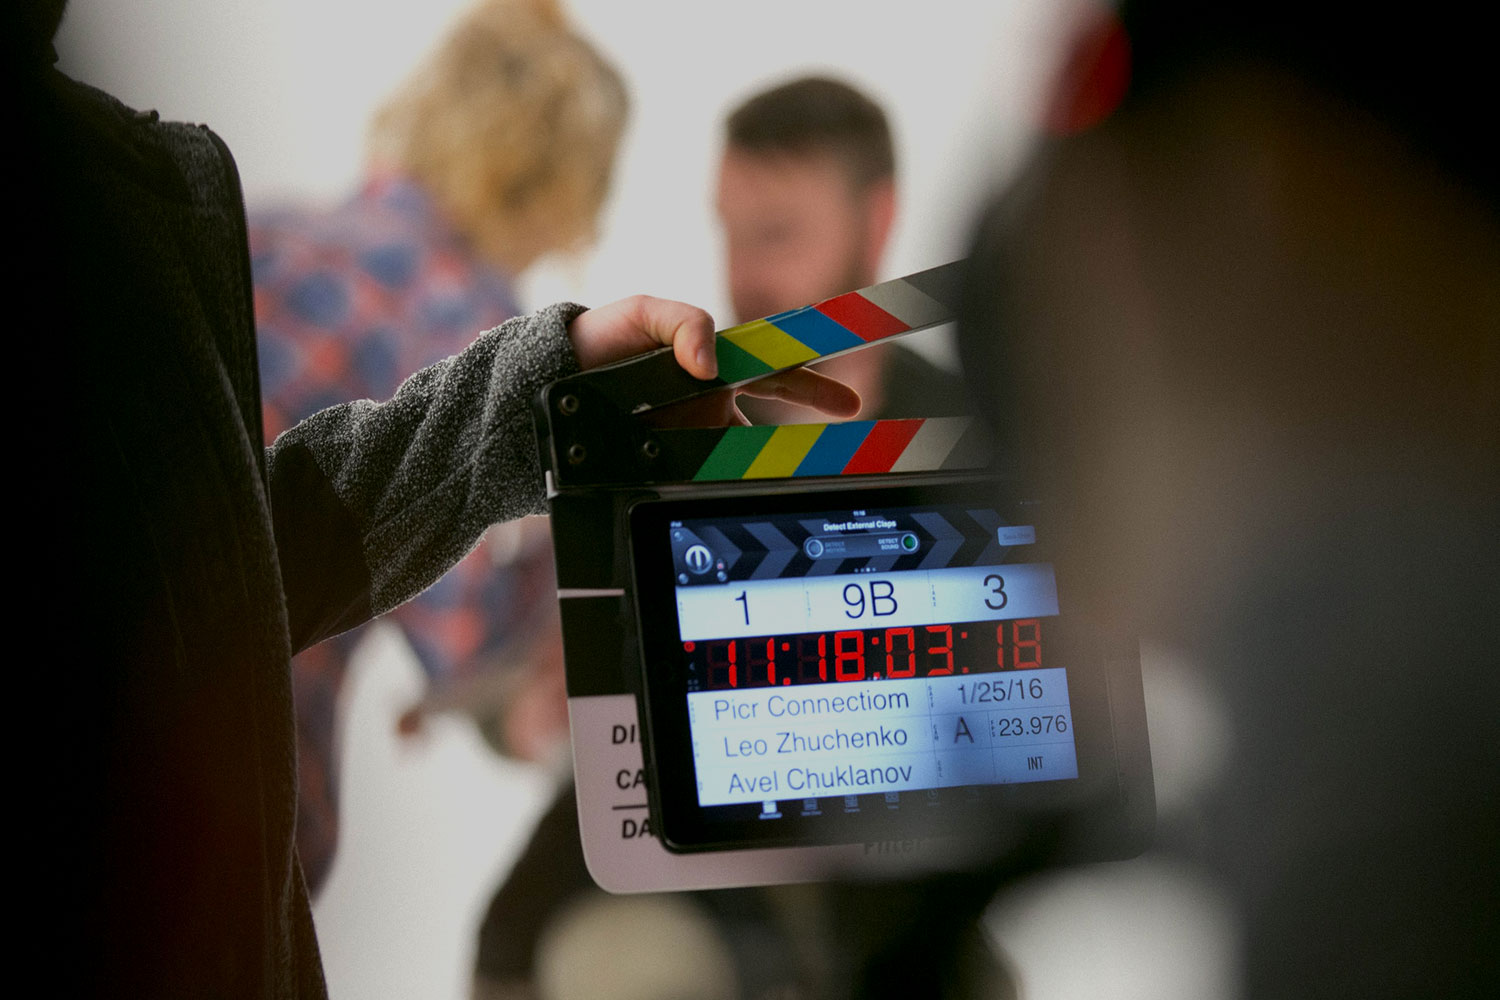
(784, 451)
(770, 344)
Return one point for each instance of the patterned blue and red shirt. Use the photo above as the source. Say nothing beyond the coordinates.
(348, 303)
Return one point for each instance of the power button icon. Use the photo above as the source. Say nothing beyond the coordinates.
(698, 558)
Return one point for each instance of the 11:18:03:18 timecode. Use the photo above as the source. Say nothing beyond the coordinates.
(864, 654)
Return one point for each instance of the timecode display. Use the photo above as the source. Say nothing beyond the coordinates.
(893, 653)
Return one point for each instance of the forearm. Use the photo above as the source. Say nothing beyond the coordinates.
(374, 501)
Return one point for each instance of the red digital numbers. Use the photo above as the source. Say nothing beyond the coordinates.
(758, 665)
(812, 654)
(945, 650)
(723, 671)
(892, 667)
(910, 651)
(1025, 647)
(843, 655)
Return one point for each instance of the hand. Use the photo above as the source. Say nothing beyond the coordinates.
(642, 323)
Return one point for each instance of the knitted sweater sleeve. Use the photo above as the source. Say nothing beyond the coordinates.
(372, 502)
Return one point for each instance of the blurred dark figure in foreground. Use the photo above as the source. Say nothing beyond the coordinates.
(1243, 332)
(177, 562)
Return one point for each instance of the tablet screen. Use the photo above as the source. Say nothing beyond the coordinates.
(840, 666)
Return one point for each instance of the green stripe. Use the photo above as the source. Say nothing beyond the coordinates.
(736, 364)
(733, 454)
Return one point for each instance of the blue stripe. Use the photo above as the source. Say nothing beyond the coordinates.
(833, 449)
(815, 330)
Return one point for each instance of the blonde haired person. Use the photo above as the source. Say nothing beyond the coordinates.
(511, 126)
(496, 150)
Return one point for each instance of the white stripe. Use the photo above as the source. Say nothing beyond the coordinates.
(914, 308)
(566, 592)
(930, 446)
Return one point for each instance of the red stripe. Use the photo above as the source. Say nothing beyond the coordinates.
(887, 440)
(861, 317)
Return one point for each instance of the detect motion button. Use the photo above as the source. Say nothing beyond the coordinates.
(861, 545)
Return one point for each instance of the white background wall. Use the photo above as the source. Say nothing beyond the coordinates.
(431, 825)
(290, 85)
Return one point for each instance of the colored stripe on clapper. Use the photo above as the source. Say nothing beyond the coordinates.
(836, 325)
(862, 447)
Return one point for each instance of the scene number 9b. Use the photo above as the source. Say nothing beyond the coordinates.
(878, 597)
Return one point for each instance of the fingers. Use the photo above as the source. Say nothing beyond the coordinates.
(642, 323)
(714, 410)
(692, 338)
(805, 387)
(688, 329)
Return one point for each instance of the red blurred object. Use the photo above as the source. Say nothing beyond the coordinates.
(1094, 79)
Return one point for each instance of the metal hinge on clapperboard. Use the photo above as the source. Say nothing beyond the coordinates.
(603, 460)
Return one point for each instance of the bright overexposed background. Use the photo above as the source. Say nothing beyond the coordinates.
(291, 84)
(430, 826)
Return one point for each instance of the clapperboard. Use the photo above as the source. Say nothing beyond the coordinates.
(873, 577)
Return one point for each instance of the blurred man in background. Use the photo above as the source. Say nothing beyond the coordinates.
(807, 198)
(806, 194)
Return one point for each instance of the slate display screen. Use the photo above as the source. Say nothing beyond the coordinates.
(852, 665)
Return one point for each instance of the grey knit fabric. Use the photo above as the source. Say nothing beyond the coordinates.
(425, 473)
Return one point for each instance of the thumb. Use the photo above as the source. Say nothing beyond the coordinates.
(642, 323)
